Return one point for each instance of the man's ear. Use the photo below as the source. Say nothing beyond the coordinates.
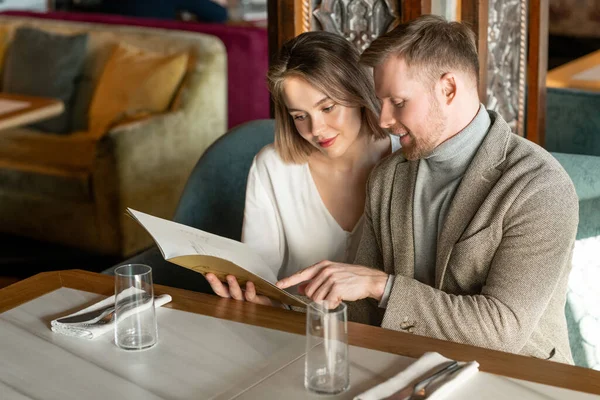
(448, 87)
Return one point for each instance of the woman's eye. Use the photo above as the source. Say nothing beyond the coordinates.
(299, 117)
(399, 105)
(328, 109)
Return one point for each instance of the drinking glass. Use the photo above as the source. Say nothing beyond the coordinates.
(135, 317)
(326, 368)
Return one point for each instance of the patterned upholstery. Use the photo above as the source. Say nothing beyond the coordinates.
(583, 297)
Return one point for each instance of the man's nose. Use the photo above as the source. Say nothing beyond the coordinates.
(386, 118)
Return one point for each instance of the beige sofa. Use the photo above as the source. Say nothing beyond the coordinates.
(73, 189)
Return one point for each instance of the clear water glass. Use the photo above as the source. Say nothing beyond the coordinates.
(135, 317)
(326, 368)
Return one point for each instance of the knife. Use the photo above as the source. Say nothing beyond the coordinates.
(92, 316)
(422, 381)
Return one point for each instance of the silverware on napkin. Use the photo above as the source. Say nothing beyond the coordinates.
(422, 382)
(93, 316)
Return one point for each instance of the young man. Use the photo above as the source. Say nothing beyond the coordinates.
(469, 232)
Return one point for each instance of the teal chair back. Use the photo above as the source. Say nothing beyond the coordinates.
(214, 195)
(583, 297)
(573, 121)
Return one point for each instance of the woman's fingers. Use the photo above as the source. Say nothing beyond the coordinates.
(217, 286)
(234, 291)
(250, 292)
(252, 297)
(234, 288)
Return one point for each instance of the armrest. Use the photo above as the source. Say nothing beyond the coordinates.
(145, 164)
(166, 273)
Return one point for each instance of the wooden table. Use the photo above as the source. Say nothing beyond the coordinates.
(278, 350)
(582, 73)
(27, 109)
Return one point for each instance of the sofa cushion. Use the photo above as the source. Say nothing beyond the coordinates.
(42, 181)
(4, 39)
(29, 146)
(134, 82)
(45, 64)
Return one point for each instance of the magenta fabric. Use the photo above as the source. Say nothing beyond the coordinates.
(247, 57)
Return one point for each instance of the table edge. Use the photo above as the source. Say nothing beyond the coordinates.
(371, 337)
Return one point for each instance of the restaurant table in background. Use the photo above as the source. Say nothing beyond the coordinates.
(582, 73)
(217, 348)
(18, 110)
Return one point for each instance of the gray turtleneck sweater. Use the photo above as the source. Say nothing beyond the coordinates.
(438, 177)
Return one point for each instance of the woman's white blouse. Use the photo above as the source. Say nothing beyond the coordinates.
(285, 220)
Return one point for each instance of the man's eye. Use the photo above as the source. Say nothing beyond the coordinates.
(299, 117)
(328, 109)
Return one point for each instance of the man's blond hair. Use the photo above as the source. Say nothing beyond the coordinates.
(430, 46)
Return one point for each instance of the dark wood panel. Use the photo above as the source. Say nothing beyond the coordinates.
(537, 67)
(411, 9)
(285, 21)
(475, 14)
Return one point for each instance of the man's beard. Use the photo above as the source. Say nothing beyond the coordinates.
(422, 146)
(418, 148)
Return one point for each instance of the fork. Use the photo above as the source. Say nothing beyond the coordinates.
(417, 389)
(107, 311)
(103, 320)
(108, 317)
(420, 391)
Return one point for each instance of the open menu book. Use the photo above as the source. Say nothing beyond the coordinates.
(204, 252)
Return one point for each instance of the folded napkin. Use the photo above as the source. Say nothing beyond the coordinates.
(92, 331)
(415, 371)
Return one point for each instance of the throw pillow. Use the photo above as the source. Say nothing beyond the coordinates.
(133, 82)
(4, 39)
(45, 64)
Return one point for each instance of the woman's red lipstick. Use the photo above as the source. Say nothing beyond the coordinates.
(328, 142)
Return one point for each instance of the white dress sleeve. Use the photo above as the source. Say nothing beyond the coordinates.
(262, 229)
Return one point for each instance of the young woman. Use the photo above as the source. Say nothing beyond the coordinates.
(306, 193)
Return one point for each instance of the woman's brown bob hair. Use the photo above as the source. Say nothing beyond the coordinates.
(331, 64)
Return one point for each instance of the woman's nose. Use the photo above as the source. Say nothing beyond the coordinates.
(317, 126)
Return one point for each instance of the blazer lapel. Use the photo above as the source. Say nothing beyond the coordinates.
(475, 186)
(401, 220)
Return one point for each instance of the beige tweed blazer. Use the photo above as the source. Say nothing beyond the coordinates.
(503, 254)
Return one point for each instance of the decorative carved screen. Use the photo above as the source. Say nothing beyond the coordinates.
(359, 21)
(507, 61)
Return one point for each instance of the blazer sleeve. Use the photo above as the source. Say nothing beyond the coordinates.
(261, 229)
(367, 311)
(534, 255)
